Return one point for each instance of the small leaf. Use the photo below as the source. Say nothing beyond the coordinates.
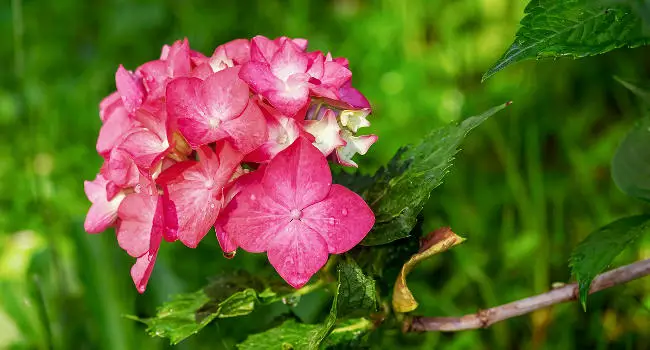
(229, 295)
(598, 250)
(348, 334)
(356, 292)
(289, 335)
(436, 242)
(574, 28)
(401, 189)
(631, 162)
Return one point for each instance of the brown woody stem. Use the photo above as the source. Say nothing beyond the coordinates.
(569, 292)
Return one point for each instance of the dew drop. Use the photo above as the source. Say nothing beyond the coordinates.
(344, 212)
(331, 221)
(229, 255)
(212, 205)
(137, 188)
(253, 197)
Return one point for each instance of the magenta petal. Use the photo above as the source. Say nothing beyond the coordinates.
(248, 131)
(343, 218)
(141, 271)
(298, 176)
(289, 60)
(353, 97)
(297, 252)
(225, 242)
(130, 88)
(262, 49)
(140, 216)
(252, 219)
(224, 94)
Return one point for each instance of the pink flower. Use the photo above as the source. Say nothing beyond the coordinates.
(297, 215)
(194, 192)
(174, 62)
(281, 77)
(216, 109)
(130, 87)
(102, 212)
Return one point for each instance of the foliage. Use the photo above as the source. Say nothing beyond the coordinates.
(600, 248)
(575, 28)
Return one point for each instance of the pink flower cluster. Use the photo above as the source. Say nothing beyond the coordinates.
(238, 141)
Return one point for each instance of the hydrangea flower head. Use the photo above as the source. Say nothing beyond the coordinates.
(239, 141)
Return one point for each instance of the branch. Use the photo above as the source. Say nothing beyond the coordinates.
(569, 292)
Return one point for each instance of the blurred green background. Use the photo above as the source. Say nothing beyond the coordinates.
(529, 185)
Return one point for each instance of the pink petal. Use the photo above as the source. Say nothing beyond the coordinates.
(263, 49)
(343, 218)
(259, 77)
(297, 253)
(113, 130)
(281, 132)
(252, 219)
(102, 212)
(316, 64)
(130, 88)
(248, 131)
(298, 176)
(186, 107)
(226, 244)
(141, 270)
(140, 217)
(335, 75)
(354, 145)
(237, 50)
(224, 94)
(108, 104)
(289, 60)
(193, 200)
(121, 169)
(178, 59)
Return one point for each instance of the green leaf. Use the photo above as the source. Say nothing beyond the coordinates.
(631, 162)
(289, 335)
(356, 292)
(575, 28)
(598, 250)
(401, 189)
(230, 295)
(348, 334)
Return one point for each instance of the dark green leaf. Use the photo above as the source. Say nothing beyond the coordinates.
(289, 335)
(230, 295)
(575, 28)
(631, 162)
(401, 189)
(356, 291)
(598, 250)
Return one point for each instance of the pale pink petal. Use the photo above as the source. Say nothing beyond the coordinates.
(299, 42)
(102, 212)
(224, 94)
(354, 145)
(289, 100)
(155, 77)
(298, 176)
(248, 131)
(178, 59)
(140, 214)
(145, 147)
(297, 252)
(326, 133)
(252, 219)
(355, 119)
(281, 132)
(130, 88)
(343, 218)
(113, 130)
(237, 50)
(316, 64)
(335, 75)
(289, 60)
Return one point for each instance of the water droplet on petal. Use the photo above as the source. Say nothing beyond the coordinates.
(212, 205)
(344, 212)
(331, 221)
(253, 197)
(229, 255)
